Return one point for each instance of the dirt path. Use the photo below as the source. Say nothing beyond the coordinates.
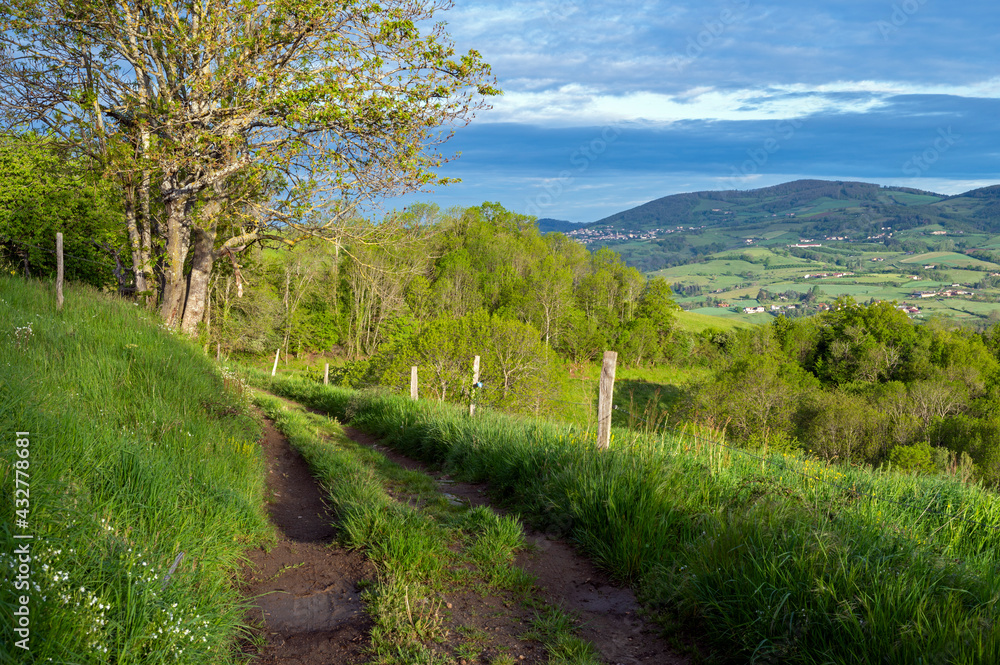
(609, 614)
(308, 609)
(307, 606)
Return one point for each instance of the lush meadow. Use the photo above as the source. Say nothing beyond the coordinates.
(138, 450)
(776, 557)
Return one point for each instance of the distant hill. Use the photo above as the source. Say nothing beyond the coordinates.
(548, 225)
(801, 198)
(680, 228)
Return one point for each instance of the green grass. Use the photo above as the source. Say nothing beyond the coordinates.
(947, 258)
(775, 559)
(554, 628)
(908, 198)
(725, 275)
(138, 450)
(695, 322)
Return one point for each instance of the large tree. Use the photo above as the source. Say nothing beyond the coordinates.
(241, 120)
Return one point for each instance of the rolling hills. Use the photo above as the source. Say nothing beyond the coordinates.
(732, 251)
(826, 206)
(681, 228)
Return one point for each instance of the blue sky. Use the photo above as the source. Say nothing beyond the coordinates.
(607, 106)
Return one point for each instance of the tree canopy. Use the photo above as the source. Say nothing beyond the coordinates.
(224, 121)
(43, 193)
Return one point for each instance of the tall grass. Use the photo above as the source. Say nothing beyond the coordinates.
(138, 452)
(777, 558)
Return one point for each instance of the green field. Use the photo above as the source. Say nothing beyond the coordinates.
(950, 259)
(737, 276)
(697, 322)
(740, 242)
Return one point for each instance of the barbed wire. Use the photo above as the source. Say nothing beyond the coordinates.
(562, 401)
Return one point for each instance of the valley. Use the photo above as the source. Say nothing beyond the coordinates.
(728, 252)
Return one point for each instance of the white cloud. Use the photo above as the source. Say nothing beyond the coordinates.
(578, 105)
(581, 105)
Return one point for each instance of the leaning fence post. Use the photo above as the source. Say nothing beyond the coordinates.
(604, 402)
(274, 370)
(326, 375)
(475, 385)
(413, 383)
(59, 271)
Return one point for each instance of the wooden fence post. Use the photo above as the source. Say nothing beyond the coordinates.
(475, 385)
(413, 383)
(218, 352)
(604, 402)
(59, 271)
(274, 369)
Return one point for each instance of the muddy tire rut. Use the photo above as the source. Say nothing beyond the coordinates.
(610, 616)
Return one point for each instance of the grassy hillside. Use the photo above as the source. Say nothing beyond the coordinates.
(855, 217)
(137, 450)
(778, 558)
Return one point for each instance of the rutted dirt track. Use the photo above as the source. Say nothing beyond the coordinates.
(308, 609)
(608, 613)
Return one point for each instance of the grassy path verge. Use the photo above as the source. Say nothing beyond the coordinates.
(446, 589)
(610, 617)
(140, 484)
(775, 559)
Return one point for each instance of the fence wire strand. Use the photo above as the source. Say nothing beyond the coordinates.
(781, 465)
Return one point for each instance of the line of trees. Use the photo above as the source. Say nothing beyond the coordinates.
(476, 281)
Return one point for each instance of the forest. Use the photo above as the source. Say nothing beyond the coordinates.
(859, 383)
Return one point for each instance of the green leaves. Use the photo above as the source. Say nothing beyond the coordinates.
(347, 101)
(42, 192)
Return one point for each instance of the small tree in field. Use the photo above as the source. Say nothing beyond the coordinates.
(226, 122)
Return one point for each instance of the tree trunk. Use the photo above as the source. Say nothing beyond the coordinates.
(208, 308)
(201, 272)
(146, 229)
(178, 234)
(288, 315)
(135, 241)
